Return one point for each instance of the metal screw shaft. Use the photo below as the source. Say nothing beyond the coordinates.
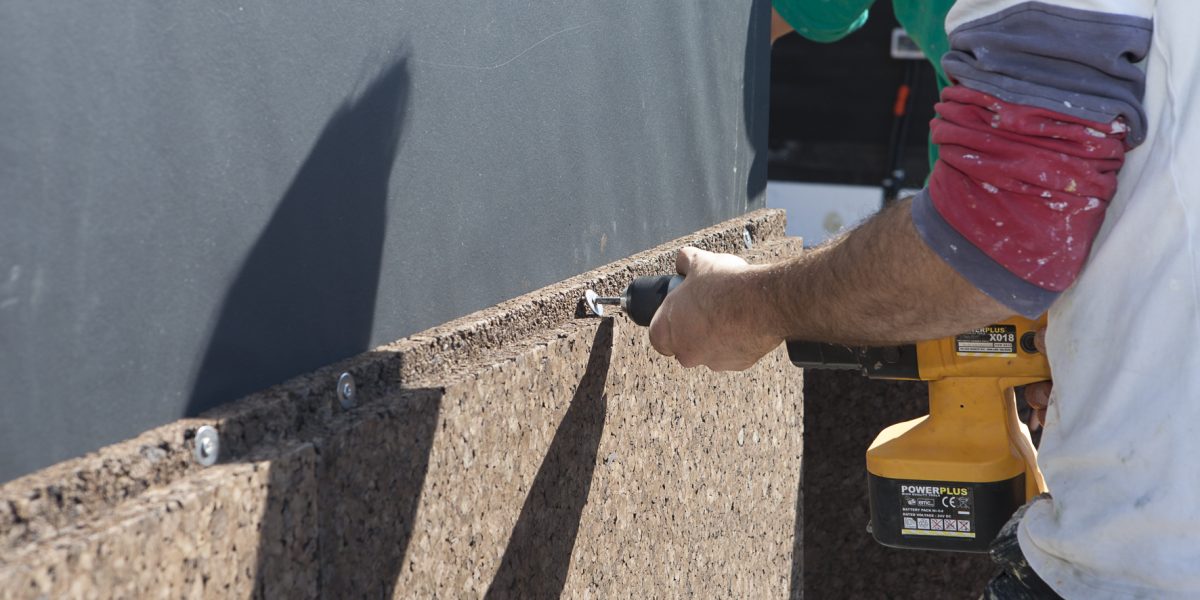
(596, 303)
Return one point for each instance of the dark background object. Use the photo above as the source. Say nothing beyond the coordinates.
(843, 412)
(202, 199)
(831, 107)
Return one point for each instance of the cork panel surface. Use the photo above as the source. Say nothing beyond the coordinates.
(223, 533)
(371, 476)
(578, 461)
(699, 481)
(591, 466)
(844, 412)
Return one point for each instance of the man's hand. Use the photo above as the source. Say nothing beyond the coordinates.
(716, 317)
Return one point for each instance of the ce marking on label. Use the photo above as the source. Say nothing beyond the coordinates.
(954, 502)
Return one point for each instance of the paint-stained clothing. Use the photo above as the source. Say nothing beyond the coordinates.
(1046, 102)
(1067, 181)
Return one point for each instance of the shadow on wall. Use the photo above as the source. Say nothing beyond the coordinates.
(305, 295)
(538, 556)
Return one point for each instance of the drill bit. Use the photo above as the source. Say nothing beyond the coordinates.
(596, 302)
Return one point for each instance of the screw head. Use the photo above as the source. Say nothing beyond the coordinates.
(346, 392)
(208, 445)
(746, 238)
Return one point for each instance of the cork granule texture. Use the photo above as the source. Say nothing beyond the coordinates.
(519, 452)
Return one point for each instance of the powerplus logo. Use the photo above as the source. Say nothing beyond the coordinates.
(932, 490)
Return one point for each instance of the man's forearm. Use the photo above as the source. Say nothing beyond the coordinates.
(878, 284)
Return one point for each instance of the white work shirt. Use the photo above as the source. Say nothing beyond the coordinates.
(1121, 446)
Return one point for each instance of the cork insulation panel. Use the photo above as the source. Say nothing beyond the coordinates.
(522, 451)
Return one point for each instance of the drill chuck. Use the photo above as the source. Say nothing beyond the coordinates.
(640, 300)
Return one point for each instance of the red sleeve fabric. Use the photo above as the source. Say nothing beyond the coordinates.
(1026, 186)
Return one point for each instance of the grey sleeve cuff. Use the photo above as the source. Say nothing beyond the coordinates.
(1075, 62)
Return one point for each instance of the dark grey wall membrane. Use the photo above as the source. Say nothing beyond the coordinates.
(203, 199)
(989, 276)
(1075, 62)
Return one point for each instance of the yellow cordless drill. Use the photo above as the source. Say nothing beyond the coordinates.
(945, 481)
(949, 480)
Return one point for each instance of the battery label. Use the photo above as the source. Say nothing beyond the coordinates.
(942, 510)
(993, 340)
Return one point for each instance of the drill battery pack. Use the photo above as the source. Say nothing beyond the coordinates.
(941, 515)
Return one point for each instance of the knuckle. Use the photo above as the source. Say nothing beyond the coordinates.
(683, 259)
(658, 343)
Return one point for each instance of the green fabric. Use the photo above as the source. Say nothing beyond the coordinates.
(832, 20)
(823, 20)
(925, 22)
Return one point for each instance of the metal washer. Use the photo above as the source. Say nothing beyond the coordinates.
(347, 392)
(207, 445)
(589, 297)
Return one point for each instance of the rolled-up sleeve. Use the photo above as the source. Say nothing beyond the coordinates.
(1045, 102)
